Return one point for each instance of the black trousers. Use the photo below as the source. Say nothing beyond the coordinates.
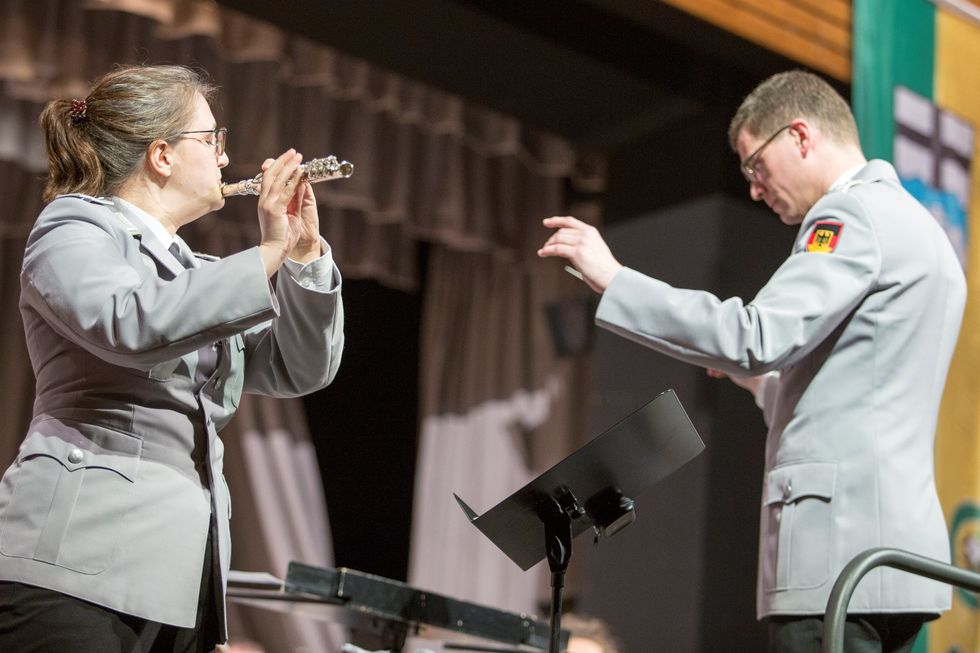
(37, 620)
(863, 633)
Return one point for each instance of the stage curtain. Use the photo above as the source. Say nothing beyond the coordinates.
(278, 515)
(496, 412)
(471, 183)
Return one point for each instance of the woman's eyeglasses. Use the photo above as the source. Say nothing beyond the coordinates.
(219, 136)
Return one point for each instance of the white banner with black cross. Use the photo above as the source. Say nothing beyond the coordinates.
(933, 151)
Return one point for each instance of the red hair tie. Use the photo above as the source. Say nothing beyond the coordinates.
(78, 111)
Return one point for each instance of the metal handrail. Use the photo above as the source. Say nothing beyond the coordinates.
(856, 569)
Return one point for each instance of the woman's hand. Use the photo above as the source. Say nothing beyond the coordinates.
(282, 200)
(305, 222)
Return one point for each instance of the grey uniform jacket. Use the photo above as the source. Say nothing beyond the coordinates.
(860, 322)
(139, 363)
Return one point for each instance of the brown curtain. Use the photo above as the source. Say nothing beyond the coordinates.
(278, 515)
(471, 182)
(499, 406)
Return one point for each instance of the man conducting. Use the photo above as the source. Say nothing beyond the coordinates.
(849, 343)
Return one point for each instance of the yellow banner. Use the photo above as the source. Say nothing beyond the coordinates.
(957, 89)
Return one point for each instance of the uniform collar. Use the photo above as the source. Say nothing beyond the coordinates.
(159, 240)
(873, 170)
(145, 220)
(846, 177)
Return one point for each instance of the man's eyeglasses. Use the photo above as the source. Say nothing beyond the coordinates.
(749, 167)
(218, 138)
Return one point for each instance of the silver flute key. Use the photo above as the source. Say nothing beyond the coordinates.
(314, 170)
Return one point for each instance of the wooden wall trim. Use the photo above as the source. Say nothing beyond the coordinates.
(816, 33)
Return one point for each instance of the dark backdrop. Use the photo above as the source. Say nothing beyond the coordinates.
(364, 427)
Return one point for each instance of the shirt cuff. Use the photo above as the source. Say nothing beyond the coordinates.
(320, 274)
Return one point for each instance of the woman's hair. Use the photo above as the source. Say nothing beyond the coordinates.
(792, 94)
(94, 145)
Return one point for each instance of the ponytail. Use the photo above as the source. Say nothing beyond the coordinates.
(73, 164)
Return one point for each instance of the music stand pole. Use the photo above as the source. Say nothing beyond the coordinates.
(558, 546)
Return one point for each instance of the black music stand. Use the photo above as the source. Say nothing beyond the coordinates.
(593, 487)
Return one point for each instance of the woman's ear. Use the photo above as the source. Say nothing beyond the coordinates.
(159, 158)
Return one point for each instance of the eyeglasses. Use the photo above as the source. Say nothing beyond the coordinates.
(749, 167)
(218, 138)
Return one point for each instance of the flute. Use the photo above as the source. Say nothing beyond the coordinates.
(314, 170)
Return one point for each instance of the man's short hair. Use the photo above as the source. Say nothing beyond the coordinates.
(780, 99)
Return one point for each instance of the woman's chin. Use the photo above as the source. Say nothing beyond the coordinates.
(217, 202)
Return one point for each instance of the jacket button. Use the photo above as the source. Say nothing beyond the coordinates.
(75, 456)
(788, 491)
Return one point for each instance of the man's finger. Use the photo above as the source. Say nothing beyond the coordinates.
(557, 249)
(559, 221)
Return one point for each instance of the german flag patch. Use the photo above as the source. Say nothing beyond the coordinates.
(825, 236)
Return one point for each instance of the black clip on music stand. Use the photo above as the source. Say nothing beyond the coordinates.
(593, 487)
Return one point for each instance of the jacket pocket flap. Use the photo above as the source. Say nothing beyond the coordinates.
(794, 481)
(77, 446)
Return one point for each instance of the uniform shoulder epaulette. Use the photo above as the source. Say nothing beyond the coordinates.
(131, 229)
(102, 201)
(849, 184)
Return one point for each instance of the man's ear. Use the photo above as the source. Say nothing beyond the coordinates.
(802, 135)
(159, 159)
